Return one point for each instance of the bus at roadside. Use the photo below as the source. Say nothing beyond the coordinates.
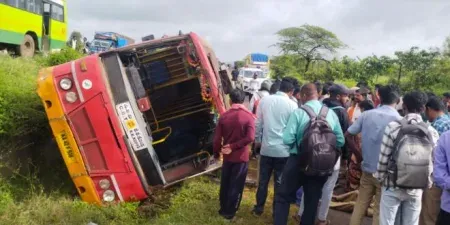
(30, 26)
(133, 119)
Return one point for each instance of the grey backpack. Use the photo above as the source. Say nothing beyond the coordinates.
(408, 167)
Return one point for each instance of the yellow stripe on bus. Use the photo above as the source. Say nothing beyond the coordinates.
(64, 137)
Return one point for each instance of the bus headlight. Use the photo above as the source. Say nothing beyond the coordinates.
(109, 196)
(104, 184)
(71, 97)
(65, 84)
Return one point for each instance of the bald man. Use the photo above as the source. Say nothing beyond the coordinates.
(293, 176)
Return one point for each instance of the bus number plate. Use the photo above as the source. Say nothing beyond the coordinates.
(128, 120)
(67, 149)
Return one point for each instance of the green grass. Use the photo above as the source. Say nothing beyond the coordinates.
(195, 202)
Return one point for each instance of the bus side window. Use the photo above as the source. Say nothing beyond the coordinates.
(31, 6)
(13, 3)
(57, 13)
(22, 4)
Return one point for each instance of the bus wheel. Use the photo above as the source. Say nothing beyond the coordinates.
(27, 47)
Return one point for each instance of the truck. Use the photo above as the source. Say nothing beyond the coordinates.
(104, 41)
(255, 71)
(137, 118)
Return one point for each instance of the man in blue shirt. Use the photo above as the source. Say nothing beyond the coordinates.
(293, 177)
(371, 125)
(272, 116)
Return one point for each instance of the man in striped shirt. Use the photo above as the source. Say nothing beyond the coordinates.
(407, 202)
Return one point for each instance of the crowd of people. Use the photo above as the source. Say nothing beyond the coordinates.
(394, 149)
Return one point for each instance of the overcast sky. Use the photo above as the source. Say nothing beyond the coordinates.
(236, 28)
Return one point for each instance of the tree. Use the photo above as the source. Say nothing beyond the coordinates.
(446, 47)
(76, 35)
(239, 63)
(309, 42)
(419, 66)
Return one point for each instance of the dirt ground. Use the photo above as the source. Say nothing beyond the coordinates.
(336, 217)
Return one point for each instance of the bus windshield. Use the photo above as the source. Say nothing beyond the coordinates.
(101, 43)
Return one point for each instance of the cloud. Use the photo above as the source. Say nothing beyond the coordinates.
(237, 27)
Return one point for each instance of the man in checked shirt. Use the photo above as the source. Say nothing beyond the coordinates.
(396, 203)
(431, 199)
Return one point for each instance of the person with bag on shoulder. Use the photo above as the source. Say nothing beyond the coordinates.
(339, 95)
(314, 136)
(405, 163)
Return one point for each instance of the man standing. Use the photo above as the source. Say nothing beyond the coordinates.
(441, 176)
(235, 73)
(234, 133)
(371, 125)
(272, 117)
(405, 163)
(354, 112)
(336, 102)
(447, 102)
(263, 92)
(295, 174)
(431, 199)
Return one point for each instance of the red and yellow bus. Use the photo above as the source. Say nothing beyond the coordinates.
(135, 118)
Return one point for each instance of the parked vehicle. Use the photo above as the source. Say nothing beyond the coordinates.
(104, 41)
(33, 25)
(259, 61)
(252, 85)
(136, 118)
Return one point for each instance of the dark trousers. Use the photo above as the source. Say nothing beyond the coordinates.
(267, 165)
(231, 187)
(443, 218)
(292, 179)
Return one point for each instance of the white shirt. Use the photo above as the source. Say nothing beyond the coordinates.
(258, 96)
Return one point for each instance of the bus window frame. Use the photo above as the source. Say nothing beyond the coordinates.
(52, 11)
(40, 5)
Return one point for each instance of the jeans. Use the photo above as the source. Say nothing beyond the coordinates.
(400, 206)
(231, 187)
(327, 194)
(431, 205)
(443, 218)
(267, 165)
(368, 188)
(291, 180)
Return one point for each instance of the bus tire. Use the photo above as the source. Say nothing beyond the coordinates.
(27, 48)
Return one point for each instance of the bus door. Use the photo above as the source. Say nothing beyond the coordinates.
(46, 17)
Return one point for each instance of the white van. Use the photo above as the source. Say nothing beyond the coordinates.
(252, 85)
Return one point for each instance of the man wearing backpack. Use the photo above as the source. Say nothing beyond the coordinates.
(371, 125)
(338, 98)
(315, 136)
(405, 163)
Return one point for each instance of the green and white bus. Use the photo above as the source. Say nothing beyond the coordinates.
(27, 26)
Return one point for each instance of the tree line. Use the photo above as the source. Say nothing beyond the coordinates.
(309, 53)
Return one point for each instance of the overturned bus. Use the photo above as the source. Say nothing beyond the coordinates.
(136, 118)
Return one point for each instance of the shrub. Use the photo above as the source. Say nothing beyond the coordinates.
(57, 58)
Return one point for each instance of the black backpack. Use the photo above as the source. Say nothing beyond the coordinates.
(319, 152)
